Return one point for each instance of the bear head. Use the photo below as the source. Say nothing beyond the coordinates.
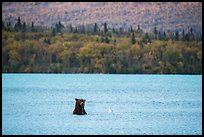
(79, 107)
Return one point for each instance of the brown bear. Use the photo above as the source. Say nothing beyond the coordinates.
(79, 107)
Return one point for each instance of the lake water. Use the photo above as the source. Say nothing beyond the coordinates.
(141, 104)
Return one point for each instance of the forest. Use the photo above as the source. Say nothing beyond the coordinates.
(98, 49)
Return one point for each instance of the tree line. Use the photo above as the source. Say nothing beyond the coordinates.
(94, 49)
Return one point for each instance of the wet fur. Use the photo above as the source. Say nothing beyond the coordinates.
(79, 107)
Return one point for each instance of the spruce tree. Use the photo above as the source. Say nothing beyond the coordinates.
(8, 27)
(71, 28)
(138, 27)
(95, 28)
(82, 29)
(32, 27)
(131, 29)
(105, 28)
(155, 32)
(191, 34)
(177, 36)
(24, 27)
(146, 38)
(133, 39)
(164, 36)
(53, 32)
(59, 27)
(18, 25)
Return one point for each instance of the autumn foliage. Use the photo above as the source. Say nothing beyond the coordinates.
(109, 52)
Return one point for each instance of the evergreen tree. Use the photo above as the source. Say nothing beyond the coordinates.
(155, 32)
(133, 39)
(177, 36)
(53, 32)
(146, 38)
(172, 36)
(95, 28)
(105, 28)
(164, 36)
(71, 28)
(138, 27)
(24, 27)
(82, 29)
(75, 30)
(159, 35)
(8, 27)
(191, 34)
(32, 27)
(183, 35)
(59, 27)
(18, 25)
(113, 30)
(131, 29)
(191, 31)
(187, 37)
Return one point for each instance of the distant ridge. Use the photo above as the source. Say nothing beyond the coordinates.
(168, 16)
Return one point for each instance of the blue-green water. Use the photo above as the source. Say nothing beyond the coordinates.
(141, 104)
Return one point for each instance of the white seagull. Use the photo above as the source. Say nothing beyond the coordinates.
(110, 110)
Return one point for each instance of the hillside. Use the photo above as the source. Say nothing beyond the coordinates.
(166, 16)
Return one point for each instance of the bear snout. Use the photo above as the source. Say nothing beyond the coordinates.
(81, 103)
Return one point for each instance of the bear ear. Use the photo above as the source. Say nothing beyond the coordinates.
(76, 99)
(84, 100)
